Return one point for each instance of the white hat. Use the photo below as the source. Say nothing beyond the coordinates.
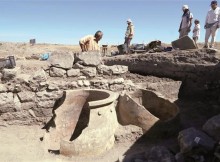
(129, 20)
(185, 7)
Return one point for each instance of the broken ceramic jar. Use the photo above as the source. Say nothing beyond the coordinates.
(84, 124)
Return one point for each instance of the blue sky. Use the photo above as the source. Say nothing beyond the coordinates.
(66, 21)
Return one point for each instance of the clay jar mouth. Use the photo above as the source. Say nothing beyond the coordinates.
(158, 106)
(97, 98)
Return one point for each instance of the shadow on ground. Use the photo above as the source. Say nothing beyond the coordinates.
(192, 114)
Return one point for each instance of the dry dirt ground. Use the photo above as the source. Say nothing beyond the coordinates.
(23, 144)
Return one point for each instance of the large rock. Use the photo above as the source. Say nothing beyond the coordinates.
(89, 71)
(26, 96)
(9, 74)
(191, 138)
(44, 96)
(73, 72)
(57, 72)
(7, 103)
(112, 70)
(61, 60)
(104, 69)
(184, 43)
(90, 58)
(212, 127)
(159, 154)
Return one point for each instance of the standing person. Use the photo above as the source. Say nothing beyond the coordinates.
(90, 42)
(186, 21)
(196, 31)
(212, 24)
(129, 35)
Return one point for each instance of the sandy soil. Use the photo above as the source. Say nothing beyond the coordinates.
(23, 144)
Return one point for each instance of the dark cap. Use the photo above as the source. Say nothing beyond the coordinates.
(214, 2)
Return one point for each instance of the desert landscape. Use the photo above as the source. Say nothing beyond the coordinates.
(83, 107)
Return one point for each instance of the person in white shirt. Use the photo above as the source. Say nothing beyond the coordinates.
(212, 24)
(186, 21)
(196, 31)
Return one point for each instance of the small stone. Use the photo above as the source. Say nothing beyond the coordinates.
(9, 74)
(80, 83)
(46, 104)
(52, 86)
(73, 85)
(32, 113)
(103, 69)
(57, 72)
(82, 78)
(78, 66)
(45, 96)
(26, 96)
(117, 81)
(73, 72)
(86, 83)
(41, 112)
(17, 103)
(89, 71)
(7, 103)
(40, 76)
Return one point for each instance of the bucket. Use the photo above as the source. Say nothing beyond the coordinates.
(122, 49)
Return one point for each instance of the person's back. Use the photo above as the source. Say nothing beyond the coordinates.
(90, 42)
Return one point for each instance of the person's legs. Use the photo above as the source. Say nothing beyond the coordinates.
(195, 40)
(207, 35)
(183, 32)
(128, 44)
(213, 33)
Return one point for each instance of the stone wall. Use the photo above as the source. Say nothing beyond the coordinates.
(28, 99)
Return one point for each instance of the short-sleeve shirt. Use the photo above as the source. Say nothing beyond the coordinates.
(197, 30)
(185, 23)
(90, 42)
(130, 31)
